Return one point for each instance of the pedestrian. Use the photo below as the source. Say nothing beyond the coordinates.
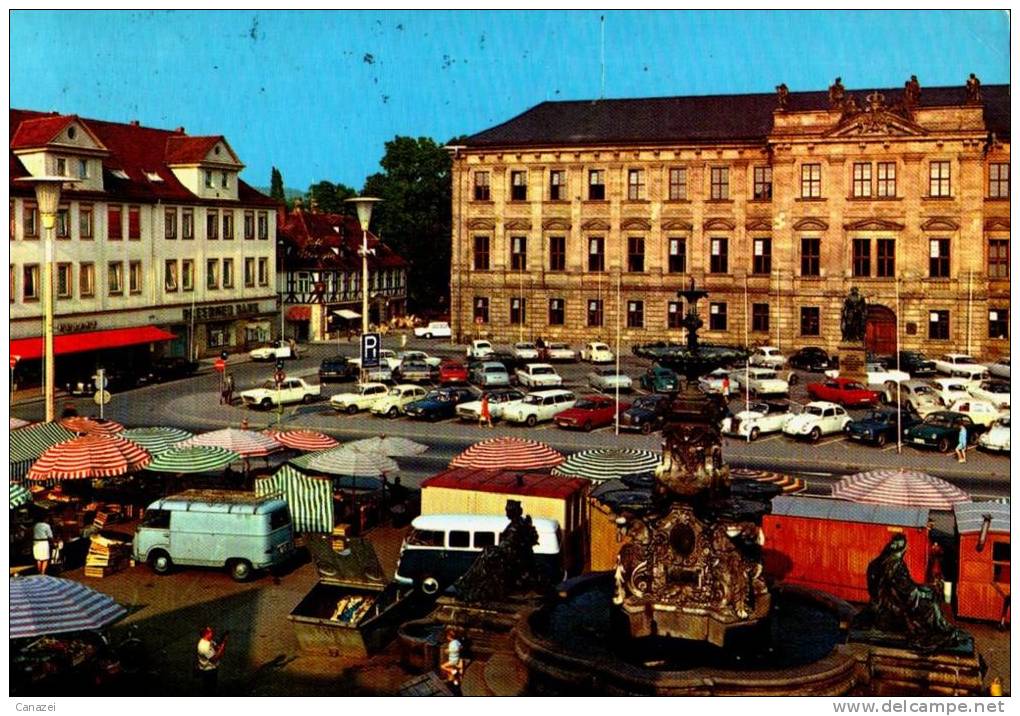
(961, 445)
(485, 417)
(210, 652)
(228, 389)
(42, 544)
(726, 388)
(453, 666)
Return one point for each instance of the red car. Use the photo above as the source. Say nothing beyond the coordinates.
(844, 391)
(450, 371)
(591, 411)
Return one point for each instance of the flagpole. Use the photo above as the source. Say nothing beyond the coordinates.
(899, 404)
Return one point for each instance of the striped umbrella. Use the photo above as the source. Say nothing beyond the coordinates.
(42, 605)
(304, 440)
(84, 425)
(310, 498)
(192, 459)
(908, 488)
(28, 443)
(88, 457)
(604, 464)
(389, 446)
(18, 423)
(20, 496)
(344, 461)
(509, 453)
(156, 440)
(245, 443)
(787, 483)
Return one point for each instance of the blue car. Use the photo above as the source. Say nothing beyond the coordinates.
(439, 404)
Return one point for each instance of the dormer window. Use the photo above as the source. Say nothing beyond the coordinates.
(223, 178)
(208, 178)
(72, 132)
(61, 167)
(153, 176)
(119, 173)
(83, 169)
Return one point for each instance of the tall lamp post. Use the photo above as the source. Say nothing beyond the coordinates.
(364, 205)
(47, 195)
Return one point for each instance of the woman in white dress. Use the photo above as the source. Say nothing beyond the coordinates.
(42, 541)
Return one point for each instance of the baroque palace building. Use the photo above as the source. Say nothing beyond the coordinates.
(578, 219)
(159, 247)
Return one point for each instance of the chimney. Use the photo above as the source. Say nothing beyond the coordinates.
(179, 130)
(135, 123)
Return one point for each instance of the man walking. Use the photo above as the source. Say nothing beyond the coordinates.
(210, 652)
(961, 445)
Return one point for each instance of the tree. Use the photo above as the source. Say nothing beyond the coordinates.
(414, 215)
(329, 197)
(276, 186)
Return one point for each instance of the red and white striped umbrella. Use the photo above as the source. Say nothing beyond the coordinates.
(18, 423)
(908, 488)
(86, 426)
(304, 440)
(245, 443)
(42, 605)
(509, 453)
(89, 456)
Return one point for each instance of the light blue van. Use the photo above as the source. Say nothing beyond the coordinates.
(215, 528)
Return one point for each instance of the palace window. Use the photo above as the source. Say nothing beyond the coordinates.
(885, 264)
(482, 186)
(557, 253)
(635, 314)
(597, 184)
(810, 321)
(886, 179)
(998, 258)
(518, 186)
(517, 310)
(481, 253)
(596, 253)
(862, 180)
(594, 313)
(556, 311)
(518, 253)
(811, 181)
(810, 257)
(557, 185)
(635, 184)
(719, 260)
(674, 314)
(938, 258)
(481, 304)
(677, 255)
(998, 323)
(938, 325)
(998, 181)
(760, 317)
(719, 183)
(763, 183)
(938, 179)
(762, 263)
(677, 183)
(635, 254)
(862, 257)
(717, 316)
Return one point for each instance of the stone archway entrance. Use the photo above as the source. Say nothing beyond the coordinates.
(880, 330)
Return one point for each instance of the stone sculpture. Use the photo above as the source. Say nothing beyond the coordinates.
(853, 320)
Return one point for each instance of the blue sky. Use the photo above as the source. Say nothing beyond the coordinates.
(318, 93)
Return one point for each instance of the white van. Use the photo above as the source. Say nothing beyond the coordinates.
(538, 406)
(441, 548)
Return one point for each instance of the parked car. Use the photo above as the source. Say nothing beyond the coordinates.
(994, 391)
(415, 371)
(961, 365)
(879, 427)
(557, 352)
(338, 369)
(921, 397)
(435, 329)
(811, 359)
(950, 390)
(881, 379)
(817, 419)
(941, 430)
(759, 381)
(479, 349)
(760, 417)
(525, 351)
(538, 375)
(290, 390)
(767, 357)
(659, 379)
(647, 414)
(590, 412)
(713, 382)
(451, 371)
(394, 403)
(539, 406)
(597, 353)
(439, 404)
(489, 374)
(362, 397)
(606, 378)
(277, 350)
(1000, 369)
(387, 359)
(416, 356)
(844, 391)
(981, 412)
(997, 438)
(912, 362)
(499, 400)
(171, 368)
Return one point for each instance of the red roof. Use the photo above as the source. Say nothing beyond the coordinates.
(182, 149)
(508, 482)
(316, 240)
(29, 348)
(39, 131)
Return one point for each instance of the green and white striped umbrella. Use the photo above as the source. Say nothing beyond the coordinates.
(20, 496)
(156, 440)
(29, 442)
(196, 458)
(344, 461)
(605, 464)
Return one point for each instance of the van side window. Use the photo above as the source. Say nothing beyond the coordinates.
(551, 400)
(484, 539)
(426, 538)
(279, 518)
(160, 519)
(460, 538)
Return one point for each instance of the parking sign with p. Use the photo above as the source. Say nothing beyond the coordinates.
(370, 350)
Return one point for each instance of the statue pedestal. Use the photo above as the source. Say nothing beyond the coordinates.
(852, 357)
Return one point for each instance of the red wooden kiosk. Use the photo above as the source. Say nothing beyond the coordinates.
(982, 590)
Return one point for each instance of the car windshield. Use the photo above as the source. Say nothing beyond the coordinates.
(533, 399)
(923, 390)
(396, 392)
(495, 369)
(599, 347)
(938, 419)
(541, 371)
(759, 408)
(435, 395)
(879, 417)
(965, 360)
(648, 403)
(587, 404)
(813, 410)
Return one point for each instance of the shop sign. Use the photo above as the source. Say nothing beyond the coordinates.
(225, 311)
(80, 327)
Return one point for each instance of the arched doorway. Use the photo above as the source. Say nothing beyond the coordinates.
(880, 330)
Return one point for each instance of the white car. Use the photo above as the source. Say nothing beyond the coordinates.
(999, 369)
(363, 397)
(995, 392)
(880, 379)
(760, 381)
(499, 401)
(767, 357)
(606, 379)
(435, 329)
(757, 419)
(539, 406)
(386, 358)
(393, 403)
(923, 398)
(996, 439)
(290, 390)
(713, 382)
(275, 351)
(961, 365)
(950, 390)
(817, 419)
(597, 353)
(538, 375)
(413, 356)
(525, 351)
(980, 411)
(479, 349)
(559, 352)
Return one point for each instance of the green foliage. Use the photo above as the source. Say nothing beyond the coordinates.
(329, 197)
(276, 186)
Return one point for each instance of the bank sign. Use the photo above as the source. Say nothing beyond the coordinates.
(223, 312)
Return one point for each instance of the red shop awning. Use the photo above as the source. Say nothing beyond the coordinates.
(299, 313)
(29, 348)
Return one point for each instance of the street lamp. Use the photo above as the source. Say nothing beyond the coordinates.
(364, 206)
(47, 196)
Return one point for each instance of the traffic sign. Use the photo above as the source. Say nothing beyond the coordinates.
(101, 397)
(279, 376)
(220, 365)
(370, 350)
(100, 380)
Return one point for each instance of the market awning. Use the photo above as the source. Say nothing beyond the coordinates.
(346, 314)
(299, 313)
(310, 498)
(29, 348)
